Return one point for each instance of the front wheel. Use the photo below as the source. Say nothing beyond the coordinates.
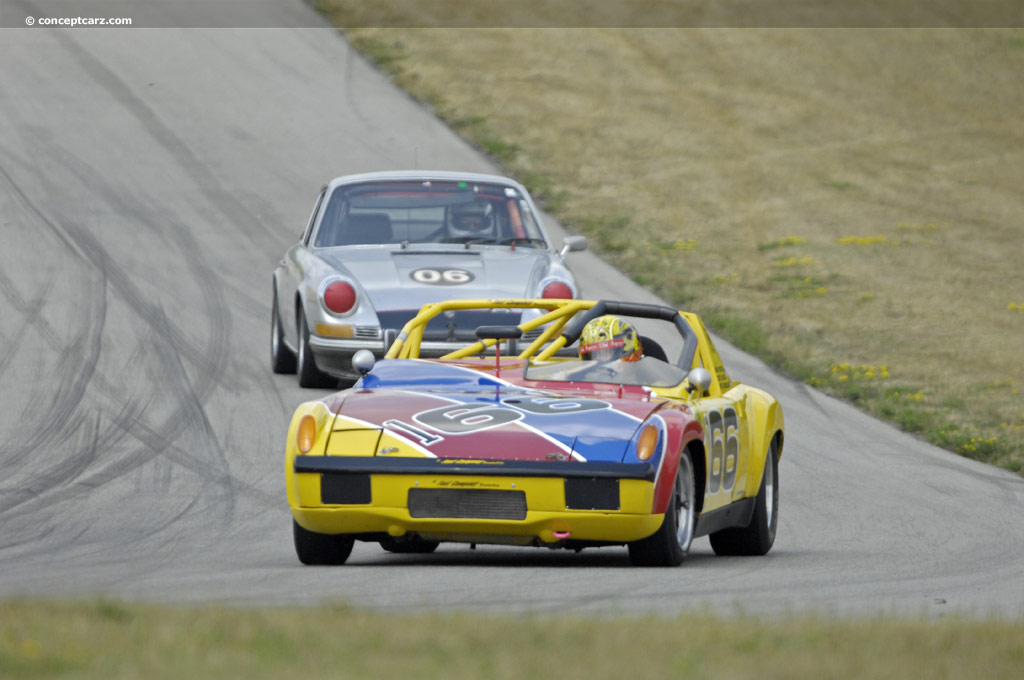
(757, 537)
(670, 544)
(314, 548)
(282, 359)
(309, 374)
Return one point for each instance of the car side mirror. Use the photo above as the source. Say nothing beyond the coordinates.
(699, 379)
(573, 244)
(363, 361)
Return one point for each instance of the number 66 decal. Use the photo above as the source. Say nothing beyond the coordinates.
(466, 418)
(721, 430)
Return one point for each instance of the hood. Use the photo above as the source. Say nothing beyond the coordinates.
(446, 411)
(409, 278)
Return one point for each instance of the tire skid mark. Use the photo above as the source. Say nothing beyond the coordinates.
(89, 250)
(188, 416)
(30, 312)
(56, 476)
(215, 357)
(224, 201)
(210, 361)
(76, 366)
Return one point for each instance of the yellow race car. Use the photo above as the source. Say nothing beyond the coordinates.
(567, 424)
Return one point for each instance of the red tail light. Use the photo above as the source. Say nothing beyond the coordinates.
(340, 297)
(557, 291)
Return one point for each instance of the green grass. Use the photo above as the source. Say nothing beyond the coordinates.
(107, 639)
(853, 195)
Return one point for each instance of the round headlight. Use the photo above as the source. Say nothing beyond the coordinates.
(556, 290)
(340, 297)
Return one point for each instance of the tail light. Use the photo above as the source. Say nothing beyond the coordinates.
(340, 297)
(556, 290)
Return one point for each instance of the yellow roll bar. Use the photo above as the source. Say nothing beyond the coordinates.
(407, 345)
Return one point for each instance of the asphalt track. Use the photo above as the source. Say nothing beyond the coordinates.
(151, 179)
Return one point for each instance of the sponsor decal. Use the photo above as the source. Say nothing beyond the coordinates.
(470, 461)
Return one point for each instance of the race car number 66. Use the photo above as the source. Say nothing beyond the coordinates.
(441, 276)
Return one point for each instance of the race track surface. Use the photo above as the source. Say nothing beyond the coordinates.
(149, 182)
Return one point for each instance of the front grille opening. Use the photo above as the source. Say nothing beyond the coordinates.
(467, 503)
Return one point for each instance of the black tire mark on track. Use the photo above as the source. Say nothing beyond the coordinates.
(85, 246)
(238, 216)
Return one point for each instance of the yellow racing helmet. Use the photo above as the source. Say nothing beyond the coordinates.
(608, 338)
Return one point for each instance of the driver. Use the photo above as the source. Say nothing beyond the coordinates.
(472, 220)
(609, 338)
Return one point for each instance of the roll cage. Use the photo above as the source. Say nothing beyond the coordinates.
(562, 326)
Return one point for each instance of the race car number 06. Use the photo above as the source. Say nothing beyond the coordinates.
(441, 276)
(724, 444)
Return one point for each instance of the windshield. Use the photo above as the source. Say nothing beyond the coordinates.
(428, 212)
(647, 371)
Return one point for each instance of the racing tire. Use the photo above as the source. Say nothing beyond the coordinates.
(321, 549)
(282, 359)
(670, 544)
(757, 537)
(408, 546)
(309, 374)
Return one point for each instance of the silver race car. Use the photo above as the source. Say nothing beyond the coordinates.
(379, 246)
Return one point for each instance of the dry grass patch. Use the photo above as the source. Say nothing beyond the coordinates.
(826, 197)
(107, 639)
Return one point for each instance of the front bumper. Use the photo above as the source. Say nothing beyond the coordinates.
(475, 501)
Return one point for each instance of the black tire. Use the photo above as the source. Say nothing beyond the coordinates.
(314, 548)
(757, 537)
(408, 545)
(282, 359)
(670, 544)
(309, 374)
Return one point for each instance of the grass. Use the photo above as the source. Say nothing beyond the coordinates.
(109, 639)
(820, 196)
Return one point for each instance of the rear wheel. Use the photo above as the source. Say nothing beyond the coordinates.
(757, 537)
(314, 548)
(309, 374)
(669, 545)
(282, 359)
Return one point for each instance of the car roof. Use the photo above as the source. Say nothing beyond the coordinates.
(416, 175)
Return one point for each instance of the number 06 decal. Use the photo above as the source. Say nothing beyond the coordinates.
(721, 430)
(441, 276)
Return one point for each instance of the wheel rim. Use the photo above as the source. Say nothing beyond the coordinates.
(769, 487)
(684, 506)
